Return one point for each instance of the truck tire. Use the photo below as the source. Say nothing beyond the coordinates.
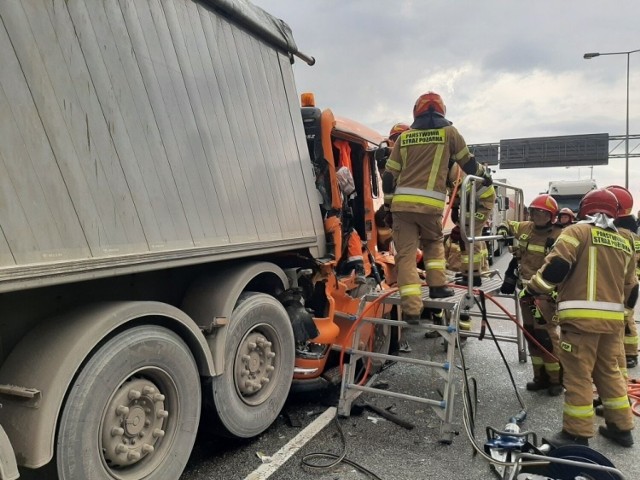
(133, 410)
(258, 370)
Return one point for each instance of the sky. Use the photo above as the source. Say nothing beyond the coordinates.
(505, 69)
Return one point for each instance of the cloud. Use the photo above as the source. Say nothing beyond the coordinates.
(505, 69)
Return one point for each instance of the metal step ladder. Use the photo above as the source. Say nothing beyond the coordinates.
(443, 407)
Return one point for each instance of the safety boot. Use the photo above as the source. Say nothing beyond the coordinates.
(435, 316)
(411, 319)
(464, 322)
(441, 292)
(632, 361)
(613, 433)
(555, 389)
(464, 280)
(564, 438)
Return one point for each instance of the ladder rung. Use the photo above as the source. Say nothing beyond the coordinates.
(395, 358)
(404, 396)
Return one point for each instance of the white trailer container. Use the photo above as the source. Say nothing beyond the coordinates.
(155, 188)
(568, 193)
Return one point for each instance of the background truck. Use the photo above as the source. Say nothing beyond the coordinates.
(164, 262)
(568, 193)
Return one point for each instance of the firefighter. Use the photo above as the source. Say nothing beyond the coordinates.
(484, 202)
(534, 241)
(414, 184)
(592, 265)
(395, 132)
(626, 224)
(566, 217)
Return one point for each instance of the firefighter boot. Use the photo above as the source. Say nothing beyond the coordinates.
(436, 317)
(540, 379)
(555, 389)
(465, 322)
(564, 438)
(411, 319)
(613, 433)
(441, 292)
(632, 361)
(464, 280)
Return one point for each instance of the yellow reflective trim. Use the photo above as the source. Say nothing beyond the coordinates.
(552, 367)
(393, 165)
(490, 191)
(590, 314)
(618, 403)
(435, 265)
(591, 274)
(566, 238)
(420, 200)
(537, 360)
(578, 411)
(411, 289)
(535, 248)
(435, 168)
(631, 340)
(636, 245)
(539, 282)
(461, 154)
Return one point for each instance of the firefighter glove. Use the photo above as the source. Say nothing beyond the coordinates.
(486, 178)
(455, 234)
(502, 230)
(525, 296)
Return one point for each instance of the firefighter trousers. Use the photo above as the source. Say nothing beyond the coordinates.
(479, 249)
(630, 335)
(544, 328)
(586, 356)
(410, 231)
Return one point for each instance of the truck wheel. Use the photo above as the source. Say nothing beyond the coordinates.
(133, 411)
(258, 370)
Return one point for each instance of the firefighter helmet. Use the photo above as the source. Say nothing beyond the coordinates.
(427, 102)
(396, 130)
(567, 211)
(545, 202)
(600, 200)
(625, 200)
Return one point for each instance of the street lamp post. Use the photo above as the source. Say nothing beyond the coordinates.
(591, 55)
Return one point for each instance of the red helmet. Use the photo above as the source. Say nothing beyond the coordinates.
(545, 202)
(599, 201)
(429, 101)
(567, 211)
(397, 129)
(625, 200)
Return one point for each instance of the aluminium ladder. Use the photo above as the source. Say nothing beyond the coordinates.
(443, 407)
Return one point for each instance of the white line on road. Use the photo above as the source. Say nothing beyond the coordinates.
(281, 456)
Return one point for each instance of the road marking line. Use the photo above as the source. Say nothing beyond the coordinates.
(296, 443)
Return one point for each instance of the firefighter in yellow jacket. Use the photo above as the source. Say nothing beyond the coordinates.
(627, 223)
(534, 240)
(592, 265)
(484, 202)
(414, 184)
